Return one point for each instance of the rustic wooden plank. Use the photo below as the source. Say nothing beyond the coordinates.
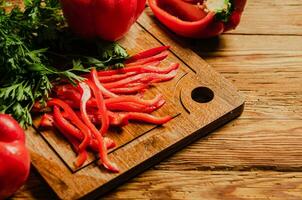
(175, 184)
(275, 59)
(244, 145)
(212, 185)
(269, 76)
(196, 120)
(271, 17)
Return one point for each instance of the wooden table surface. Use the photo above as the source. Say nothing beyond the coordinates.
(258, 155)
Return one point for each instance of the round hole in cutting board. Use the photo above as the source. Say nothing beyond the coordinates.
(202, 94)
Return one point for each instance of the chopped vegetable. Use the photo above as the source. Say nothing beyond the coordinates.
(74, 119)
(86, 94)
(90, 104)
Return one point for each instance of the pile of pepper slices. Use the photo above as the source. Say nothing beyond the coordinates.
(105, 98)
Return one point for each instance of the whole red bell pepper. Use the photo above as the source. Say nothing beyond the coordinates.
(14, 157)
(198, 18)
(107, 19)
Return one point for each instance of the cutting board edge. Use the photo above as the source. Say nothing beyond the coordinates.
(203, 132)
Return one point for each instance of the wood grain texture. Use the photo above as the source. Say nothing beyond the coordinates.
(212, 185)
(271, 80)
(262, 58)
(271, 17)
(141, 146)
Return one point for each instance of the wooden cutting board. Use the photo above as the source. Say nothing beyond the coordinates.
(199, 98)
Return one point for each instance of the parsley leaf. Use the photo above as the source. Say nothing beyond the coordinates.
(37, 48)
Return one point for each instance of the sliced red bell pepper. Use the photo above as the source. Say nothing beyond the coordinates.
(147, 53)
(70, 131)
(76, 133)
(148, 60)
(131, 107)
(75, 120)
(144, 77)
(123, 118)
(99, 86)
(111, 72)
(82, 154)
(150, 68)
(101, 144)
(115, 77)
(46, 121)
(134, 99)
(186, 17)
(130, 90)
(96, 88)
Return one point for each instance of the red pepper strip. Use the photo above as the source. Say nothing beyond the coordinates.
(125, 103)
(67, 127)
(99, 86)
(131, 107)
(75, 120)
(134, 84)
(75, 104)
(123, 118)
(73, 92)
(111, 72)
(146, 118)
(82, 155)
(134, 99)
(102, 148)
(132, 70)
(120, 74)
(79, 136)
(96, 88)
(150, 68)
(122, 106)
(156, 78)
(147, 53)
(115, 77)
(116, 119)
(97, 119)
(126, 69)
(81, 158)
(46, 121)
(158, 57)
(67, 91)
(75, 99)
(109, 143)
(144, 77)
(129, 90)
